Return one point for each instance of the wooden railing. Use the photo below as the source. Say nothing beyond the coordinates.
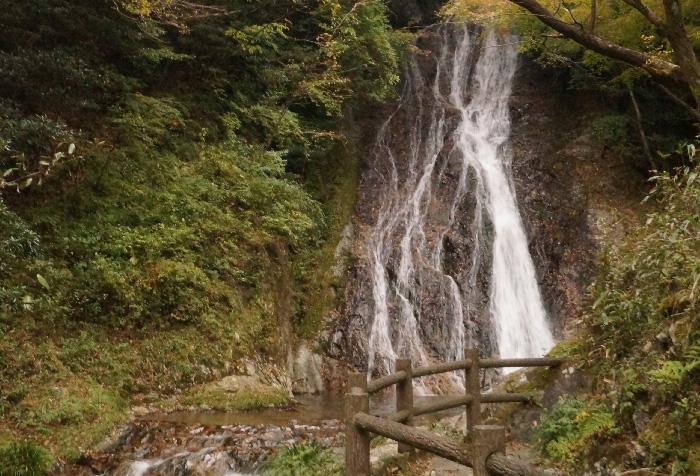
(484, 446)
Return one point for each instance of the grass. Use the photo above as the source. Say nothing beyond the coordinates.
(243, 400)
(305, 458)
(24, 458)
(77, 386)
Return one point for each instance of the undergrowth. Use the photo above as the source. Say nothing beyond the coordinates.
(642, 342)
(155, 177)
(305, 458)
(571, 426)
(24, 458)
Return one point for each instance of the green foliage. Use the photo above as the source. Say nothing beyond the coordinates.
(673, 375)
(179, 171)
(567, 430)
(304, 458)
(613, 131)
(648, 281)
(245, 399)
(148, 120)
(30, 147)
(24, 458)
(359, 40)
(644, 342)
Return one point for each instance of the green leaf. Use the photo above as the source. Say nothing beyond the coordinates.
(42, 280)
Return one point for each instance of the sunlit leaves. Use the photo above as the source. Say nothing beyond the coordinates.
(259, 39)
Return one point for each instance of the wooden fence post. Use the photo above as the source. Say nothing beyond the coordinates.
(356, 440)
(404, 395)
(472, 386)
(356, 379)
(485, 440)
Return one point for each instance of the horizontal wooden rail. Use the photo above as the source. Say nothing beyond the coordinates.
(447, 403)
(416, 437)
(441, 368)
(541, 362)
(387, 381)
(487, 454)
(506, 398)
(383, 382)
(437, 405)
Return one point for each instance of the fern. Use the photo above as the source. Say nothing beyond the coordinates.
(567, 429)
(304, 458)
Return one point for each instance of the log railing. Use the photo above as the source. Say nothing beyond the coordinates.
(484, 446)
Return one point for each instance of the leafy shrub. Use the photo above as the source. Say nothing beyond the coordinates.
(30, 146)
(52, 77)
(648, 281)
(673, 375)
(643, 332)
(16, 238)
(24, 458)
(613, 131)
(148, 120)
(302, 459)
(570, 426)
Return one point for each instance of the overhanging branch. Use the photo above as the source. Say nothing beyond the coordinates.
(654, 66)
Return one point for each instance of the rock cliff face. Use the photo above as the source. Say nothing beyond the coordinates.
(414, 12)
(553, 159)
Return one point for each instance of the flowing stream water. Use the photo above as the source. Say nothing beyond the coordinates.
(459, 119)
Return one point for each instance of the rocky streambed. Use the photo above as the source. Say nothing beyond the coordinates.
(155, 447)
(162, 448)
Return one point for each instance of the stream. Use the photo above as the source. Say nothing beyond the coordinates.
(228, 443)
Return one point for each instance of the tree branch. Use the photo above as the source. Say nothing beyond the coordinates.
(592, 17)
(650, 15)
(680, 102)
(640, 130)
(654, 66)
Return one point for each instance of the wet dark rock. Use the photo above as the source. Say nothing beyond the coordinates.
(551, 148)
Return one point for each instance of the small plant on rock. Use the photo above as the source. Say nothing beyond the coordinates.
(305, 458)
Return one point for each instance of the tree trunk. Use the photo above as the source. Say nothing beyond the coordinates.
(640, 130)
(683, 52)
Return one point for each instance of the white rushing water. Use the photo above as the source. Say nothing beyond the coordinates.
(460, 116)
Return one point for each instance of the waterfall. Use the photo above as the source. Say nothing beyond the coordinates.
(443, 148)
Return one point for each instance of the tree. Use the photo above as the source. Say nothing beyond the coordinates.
(673, 62)
(177, 13)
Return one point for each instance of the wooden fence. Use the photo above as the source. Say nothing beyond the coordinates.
(484, 445)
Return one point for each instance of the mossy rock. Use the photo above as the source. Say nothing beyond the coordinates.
(694, 459)
(657, 431)
(237, 393)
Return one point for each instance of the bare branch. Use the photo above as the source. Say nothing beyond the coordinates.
(680, 102)
(640, 130)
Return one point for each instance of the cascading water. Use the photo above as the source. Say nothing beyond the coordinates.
(456, 152)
